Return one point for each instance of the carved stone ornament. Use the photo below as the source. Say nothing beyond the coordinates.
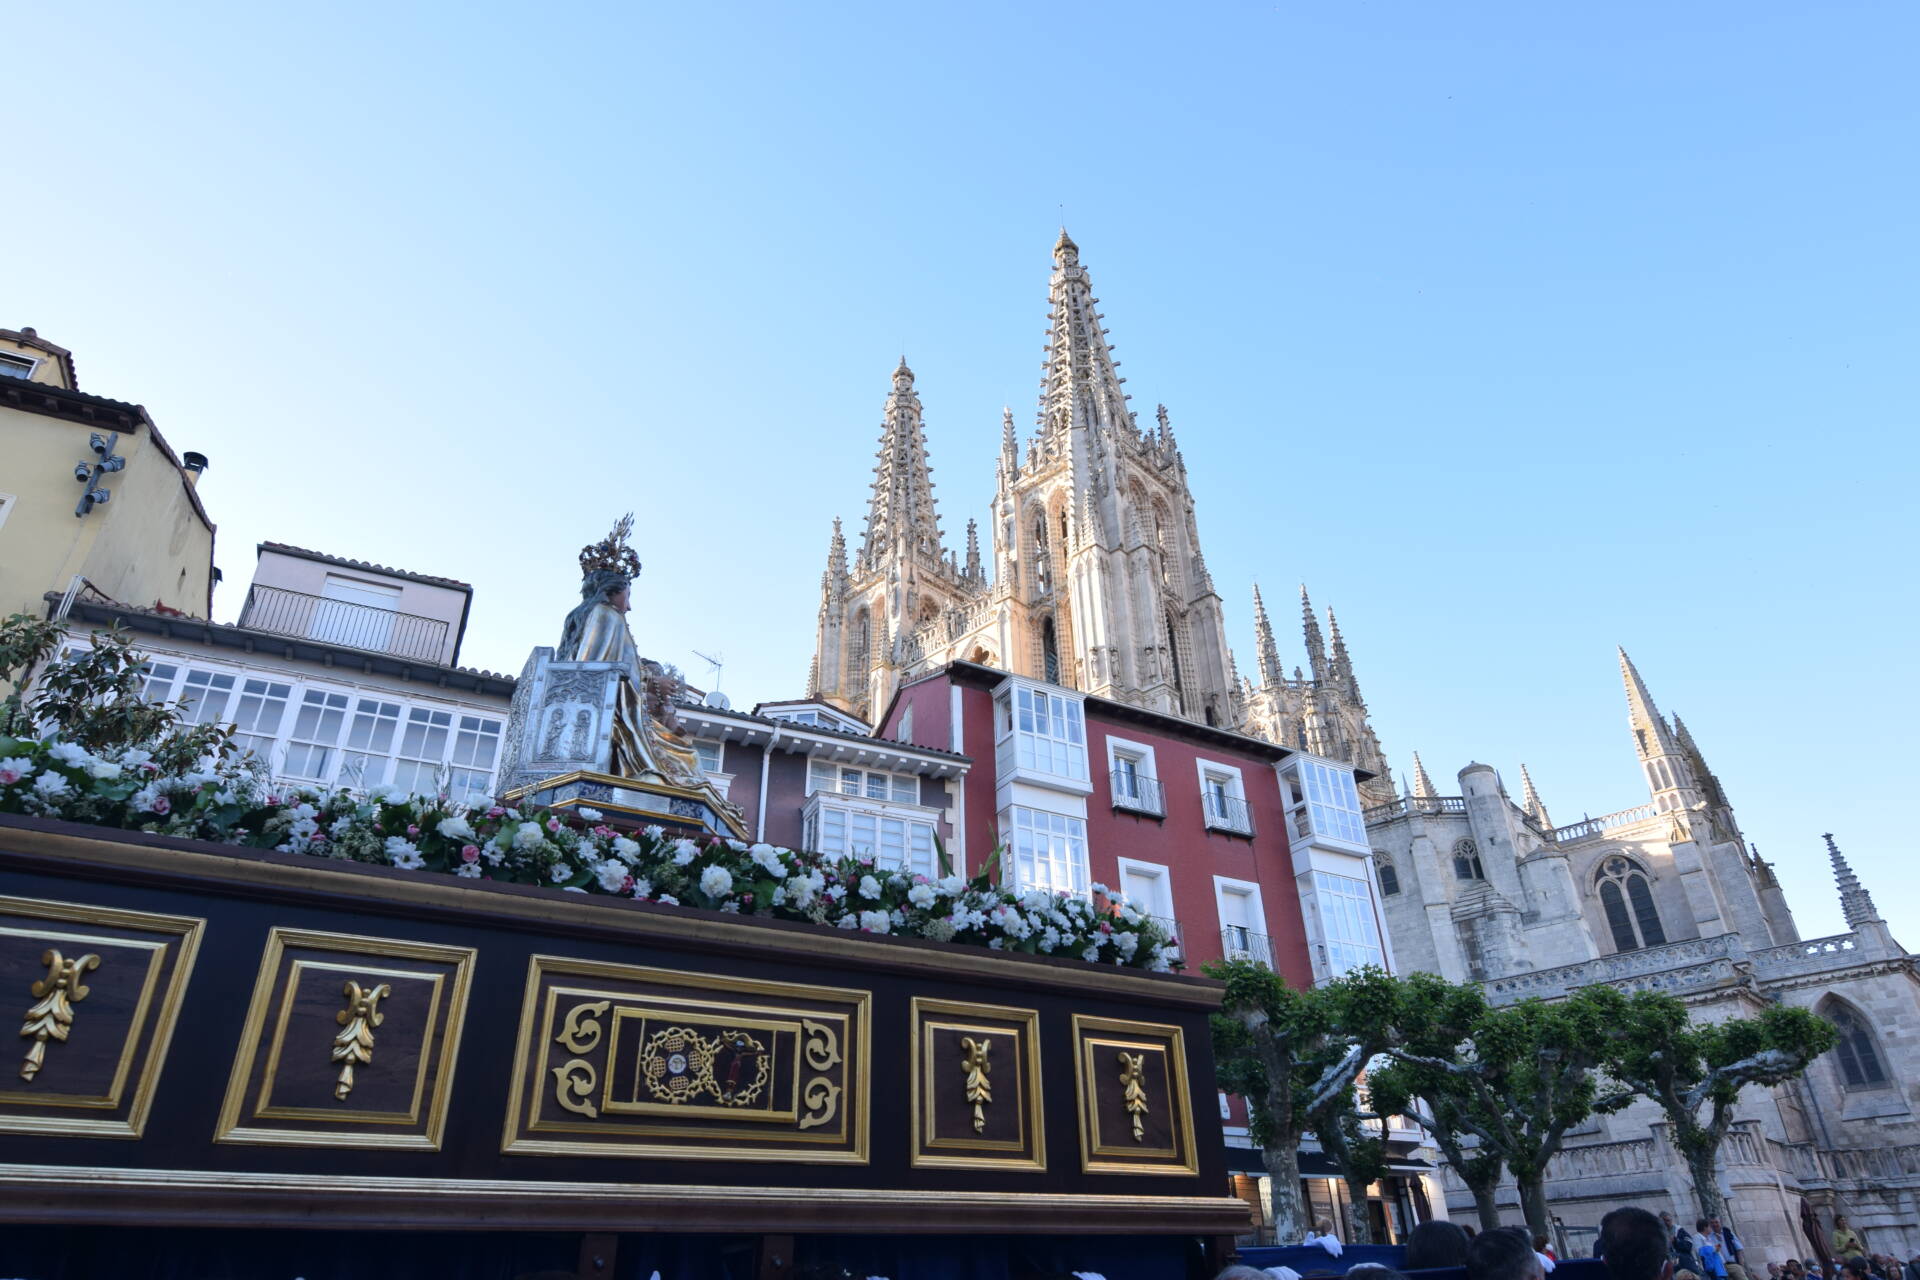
(50, 1017)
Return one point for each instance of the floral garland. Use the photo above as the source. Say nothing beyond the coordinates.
(229, 803)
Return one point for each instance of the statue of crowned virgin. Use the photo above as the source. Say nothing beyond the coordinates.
(594, 722)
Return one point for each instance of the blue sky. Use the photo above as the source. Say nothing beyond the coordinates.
(1516, 331)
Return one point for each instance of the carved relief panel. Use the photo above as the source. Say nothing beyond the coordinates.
(348, 1042)
(976, 1087)
(94, 993)
(1135, 1109)
(620, 1060)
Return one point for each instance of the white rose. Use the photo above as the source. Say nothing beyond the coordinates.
(684, 851)
(921, 895)
(612, 875)
(716, 882)
(456, 828)
(875, 922)
(869, 887)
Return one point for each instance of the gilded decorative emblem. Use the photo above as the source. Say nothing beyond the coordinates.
(973, 1060)
(1133, 1091)
(675, 1063)
(354, 1045)
(738, 1068)
(821, 1049)
(51, 1015)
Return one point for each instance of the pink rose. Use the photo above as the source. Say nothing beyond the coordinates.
(162, 805)
(412, 831)
(470, 853)
(10, 776)
(553, 825)
(626, 886)
(496, 812)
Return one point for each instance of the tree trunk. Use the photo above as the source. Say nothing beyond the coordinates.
(1283, 1188)
(1485, 1204)
(1703, 1162)
(1359, 1225)
(1533, 1203)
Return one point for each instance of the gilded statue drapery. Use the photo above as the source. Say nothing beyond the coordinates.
(643, 743)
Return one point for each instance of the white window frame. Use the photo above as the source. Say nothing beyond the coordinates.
(1368, 913)
(919, 834)
(1154, 871)
(1224, 885)
(1235, 789)
(1011, 742)
(15, 358)
(8, 501)
(840, 770)
(1146, 768)
(1335, 820)
(1070, 829)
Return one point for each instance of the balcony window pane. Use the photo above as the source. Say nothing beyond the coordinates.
(204, 696)
(157, 682)
(316, 730)
(370, 742)
(1347, 922)
(1050, 851)
(257, 716)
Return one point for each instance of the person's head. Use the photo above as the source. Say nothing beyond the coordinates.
(1839, 1220)
(1856, 1268)
(1700, 1224)
(1539, 1243)
(1323, 1226)
(1373, 1271)
(1504, 1253)
(1436, 1243)
(1666, 1217)
(1634, 1244)
(1773, 1271)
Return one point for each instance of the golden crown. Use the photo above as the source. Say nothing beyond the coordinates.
(612, 551)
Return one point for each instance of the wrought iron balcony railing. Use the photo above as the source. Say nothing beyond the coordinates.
(1237, 942)
(1136, 791)
(1227, 813)
(357, 626)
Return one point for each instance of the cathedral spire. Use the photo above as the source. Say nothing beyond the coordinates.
(973, 569)
(1650, 732)
(1422, 784)
(901, 518)
(1856, 904)
(1709, 784)
(1271, 673)
(1009, 445)
(1079, 387)
(1530, 801)
(1316, 646)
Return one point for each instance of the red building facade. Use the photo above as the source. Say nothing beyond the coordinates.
(1244, 847)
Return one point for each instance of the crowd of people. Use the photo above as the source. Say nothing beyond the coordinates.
(1633, 1243)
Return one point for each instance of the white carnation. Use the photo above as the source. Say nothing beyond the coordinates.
(528, 836)
(684, 851)
(628, 851)
(921, 895)
(874, 922)
(612, 875)
(456, 828)
(716, 882)
(869, 887)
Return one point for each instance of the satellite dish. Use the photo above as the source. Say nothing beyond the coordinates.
(718, 701)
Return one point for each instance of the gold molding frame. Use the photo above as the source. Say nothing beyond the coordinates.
(430, 1105)
(164, 983)
(535, 1038)
(1180, 1160)
(926, 1016)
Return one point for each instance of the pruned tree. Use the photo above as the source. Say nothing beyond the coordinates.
(1696, 1070)
(1362, 1008)
(1519, 1079)
(1291, 1055)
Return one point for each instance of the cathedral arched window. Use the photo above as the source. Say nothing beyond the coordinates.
(1173, 656)
(1049, 653)
(1856, 1051)
(1466, 861)
(1626, 897)
(859, 646)
(1389, 878)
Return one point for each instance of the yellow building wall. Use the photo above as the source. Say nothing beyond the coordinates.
(147, 545)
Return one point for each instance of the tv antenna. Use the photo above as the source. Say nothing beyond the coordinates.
(716, 661)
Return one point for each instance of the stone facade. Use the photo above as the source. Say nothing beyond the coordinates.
(1098, 580)
(1668, 896)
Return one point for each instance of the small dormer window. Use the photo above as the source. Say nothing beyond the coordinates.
(16, 366)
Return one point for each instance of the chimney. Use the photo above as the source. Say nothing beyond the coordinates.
(195, 463)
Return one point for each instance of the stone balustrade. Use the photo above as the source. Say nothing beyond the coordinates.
(1588, 827)
(1677, 966)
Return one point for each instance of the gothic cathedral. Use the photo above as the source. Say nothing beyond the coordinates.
(1098, 579)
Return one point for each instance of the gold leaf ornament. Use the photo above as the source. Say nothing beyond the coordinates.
(353, 1047)
(973, 1060)
(1133, 1091)
(50, 1017)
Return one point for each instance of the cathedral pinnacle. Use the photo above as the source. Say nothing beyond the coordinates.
(973, 569)
(1530, 801)
(1267, 651)
(1080, 388)
(1422, 784)
(1650, 732)
(1856, 904)
(1316, 645)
